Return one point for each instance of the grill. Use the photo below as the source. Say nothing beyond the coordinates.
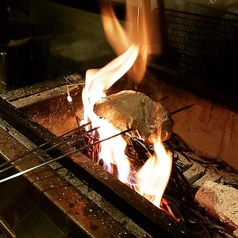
(77, 195)
(71, 196)
(81, 167)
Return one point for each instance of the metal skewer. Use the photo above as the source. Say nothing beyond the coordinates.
(61, 156)
(41, 146)
(44, 151)
(181, 109)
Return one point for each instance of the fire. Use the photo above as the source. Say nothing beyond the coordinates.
(129, 44)
(154, 175)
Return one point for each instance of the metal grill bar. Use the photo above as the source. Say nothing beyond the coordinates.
(200, 46)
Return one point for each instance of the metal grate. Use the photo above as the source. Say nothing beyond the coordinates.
(199, 46)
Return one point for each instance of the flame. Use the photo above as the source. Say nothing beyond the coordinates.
(154, 175)
(129, 44)
(112, 152)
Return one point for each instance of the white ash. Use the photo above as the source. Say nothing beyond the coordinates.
(220, 201)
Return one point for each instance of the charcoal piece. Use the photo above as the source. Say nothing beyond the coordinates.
(137, 152)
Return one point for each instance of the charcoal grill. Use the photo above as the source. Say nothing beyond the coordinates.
(78, 197)
(56, 194)
(76, 194)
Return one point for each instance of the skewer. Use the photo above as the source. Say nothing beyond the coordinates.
(181, 109)
(48, 149)
(42, 145)
(43, 151)
(62, 156)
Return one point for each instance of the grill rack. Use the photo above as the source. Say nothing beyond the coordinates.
(148, 216)
(83, 171)
(201, 47)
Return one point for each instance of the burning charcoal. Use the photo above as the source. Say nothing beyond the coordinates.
(178, 186)
(137, 152)
(130, 109)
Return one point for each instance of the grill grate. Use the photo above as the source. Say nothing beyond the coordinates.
(199, 46)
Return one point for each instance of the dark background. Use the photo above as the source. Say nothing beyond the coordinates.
(200, 41)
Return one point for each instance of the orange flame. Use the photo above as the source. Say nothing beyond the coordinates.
(154, 175)
(129, 43)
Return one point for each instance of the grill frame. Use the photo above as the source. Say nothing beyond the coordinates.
(143, 214)
(150, 218)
